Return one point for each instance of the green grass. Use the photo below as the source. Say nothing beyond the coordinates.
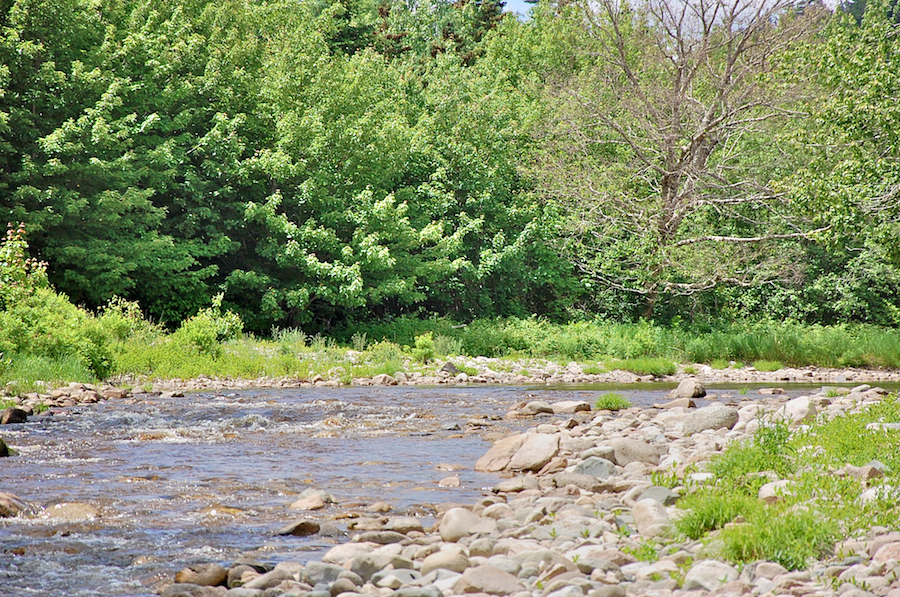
(767, 365)
(212, 345)
(28, 373)
(789, 344)
(819, 508)
(656, 367)
(612, 401)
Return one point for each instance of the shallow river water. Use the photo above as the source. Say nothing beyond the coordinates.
(209, 477)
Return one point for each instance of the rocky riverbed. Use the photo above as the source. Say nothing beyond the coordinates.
(578, 503)
(575, 506)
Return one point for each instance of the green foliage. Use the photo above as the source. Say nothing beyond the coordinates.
(767, 365)
(656, 367)
(19, 274)
(769, 449)
(46, 324)
(209, 328)
(710, 509)
(423, 351)
(645, 551)
(790, 537)
(612, 401)
(30, 373)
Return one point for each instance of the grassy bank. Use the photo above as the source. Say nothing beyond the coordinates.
(817, 505)
(118, 342)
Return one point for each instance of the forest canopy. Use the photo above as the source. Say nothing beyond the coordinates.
(316, 164)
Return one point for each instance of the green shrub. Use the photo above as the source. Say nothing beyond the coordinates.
(45, 324)
(206, 330)
(612, 401)
(20, 275)
(770, 449)
(424, 351)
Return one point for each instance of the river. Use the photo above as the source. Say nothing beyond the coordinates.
(211, 476)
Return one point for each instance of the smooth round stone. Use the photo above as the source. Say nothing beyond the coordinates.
(71, 512)
(451, 558)
(210, 575)
(456, 524)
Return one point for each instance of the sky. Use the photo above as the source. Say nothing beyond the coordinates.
(518, 6)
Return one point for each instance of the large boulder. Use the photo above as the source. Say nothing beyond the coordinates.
(650, 517)
(11, 505)
(714, 416)
(537, 450)
(570, 406)
(209, 575)
(72, 512)
(457, 523)
(626, 451)
(797, 411)
(536, 407)
(688, 388)
(487, 579)
(497, 458)
(450, 558)
(594, 466)
(709, 575)
(11, 415)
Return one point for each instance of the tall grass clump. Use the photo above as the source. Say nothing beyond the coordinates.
(612, 401)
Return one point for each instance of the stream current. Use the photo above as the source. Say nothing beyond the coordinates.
(211, 476)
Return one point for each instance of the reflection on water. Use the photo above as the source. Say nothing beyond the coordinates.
(210, 476)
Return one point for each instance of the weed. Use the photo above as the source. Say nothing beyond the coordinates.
(612, 401)
(359, 341)
(820, 506)
(719, 364)
(645, 551)
(690, 370)
(709, 509)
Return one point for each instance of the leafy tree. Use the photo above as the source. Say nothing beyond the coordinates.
(850, 178)
(659, 143)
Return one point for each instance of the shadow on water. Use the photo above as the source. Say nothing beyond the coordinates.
(210, 477)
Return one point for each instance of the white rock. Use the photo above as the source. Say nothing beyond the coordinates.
(709, 575)
(650, 517)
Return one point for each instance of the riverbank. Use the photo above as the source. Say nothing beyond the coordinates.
(459, 371)
(590, 507)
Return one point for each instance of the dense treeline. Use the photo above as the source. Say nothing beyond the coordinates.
(322, 164)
